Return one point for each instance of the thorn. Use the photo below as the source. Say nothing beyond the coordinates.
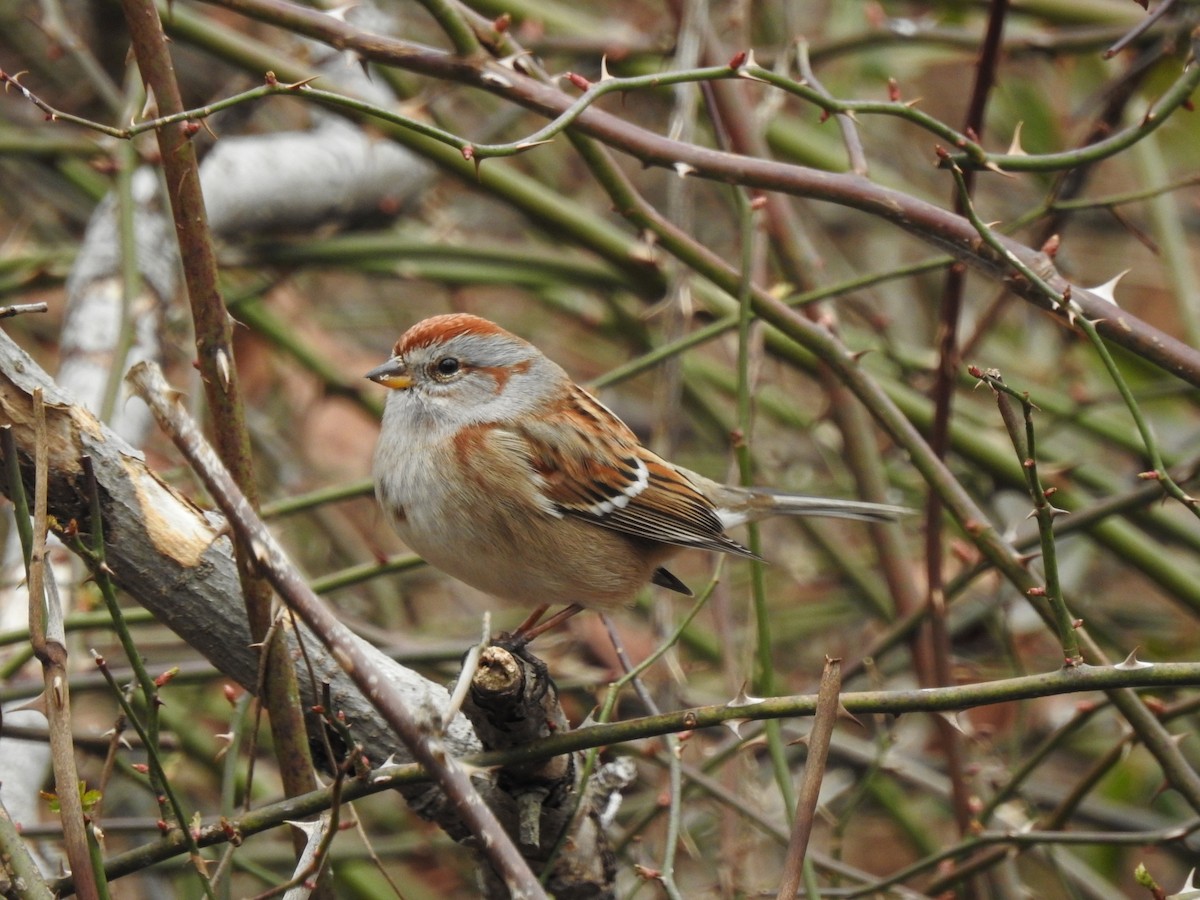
(1189, 887)
(339, 12)
(1107, 291)
(735, 725)
(1132, 663)
(260, 550)
(495, 78)
(304, 82)
(223, 368)
(309, 828)
(226, 741)
(893, 88)
(843, 713)
(683, 169)
(604, 75)
(1015, 148)
(510, 61)
(742, 699)
(1050, 247)
(747, 64)
(955, 722)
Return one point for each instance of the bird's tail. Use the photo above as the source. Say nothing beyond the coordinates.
(766, 502)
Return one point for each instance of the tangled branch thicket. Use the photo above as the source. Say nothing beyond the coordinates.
(863, 250)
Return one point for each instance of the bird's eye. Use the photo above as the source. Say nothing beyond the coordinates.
(447, 366)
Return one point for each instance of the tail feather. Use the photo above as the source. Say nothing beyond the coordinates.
(767, 502)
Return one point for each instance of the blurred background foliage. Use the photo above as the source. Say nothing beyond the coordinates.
(320, 304)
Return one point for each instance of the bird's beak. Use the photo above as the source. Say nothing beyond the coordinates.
(392, 374)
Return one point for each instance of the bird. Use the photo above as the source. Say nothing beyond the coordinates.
(498, 469)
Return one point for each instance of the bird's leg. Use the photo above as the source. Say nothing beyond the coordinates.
(532, 619)
(530, 629)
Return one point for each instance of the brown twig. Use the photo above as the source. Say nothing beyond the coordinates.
(48, 639)
(421, 738)
(819, 737)
(17, 309)
(1140, 28)
(214, 349)
(213, 327)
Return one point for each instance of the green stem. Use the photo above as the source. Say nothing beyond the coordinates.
(448, 15)
(159, 775)
(1024, 441)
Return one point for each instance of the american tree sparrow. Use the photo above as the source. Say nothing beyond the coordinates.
(498, 469)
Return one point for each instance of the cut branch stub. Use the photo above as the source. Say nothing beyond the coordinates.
(512, 702)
